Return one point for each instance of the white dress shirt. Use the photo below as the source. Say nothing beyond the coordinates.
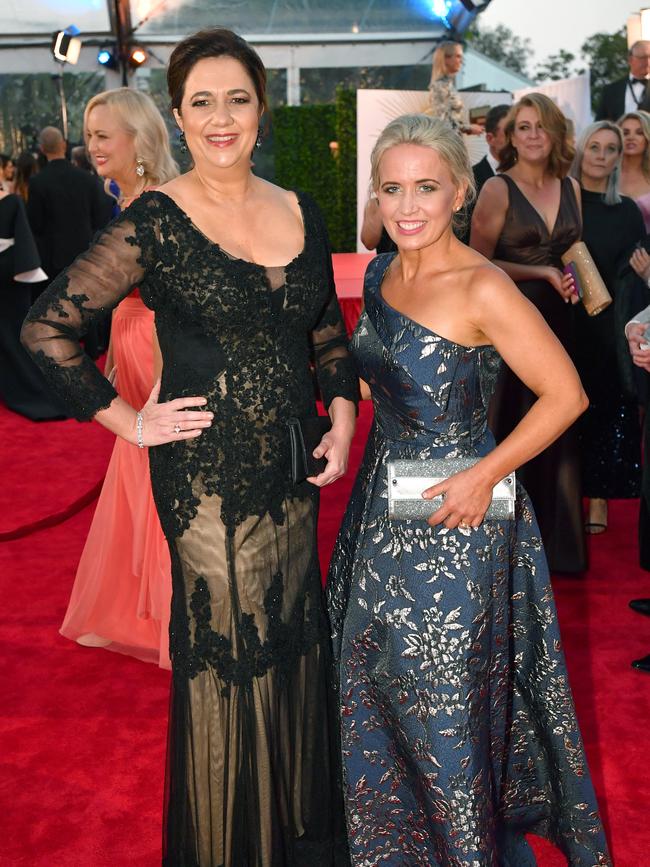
(633, 90)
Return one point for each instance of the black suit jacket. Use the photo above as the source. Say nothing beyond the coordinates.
(482, 173)
(612, 100)
(65, 207)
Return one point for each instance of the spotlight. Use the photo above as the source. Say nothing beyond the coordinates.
(137, 56)
(65, 46)
(107, 56)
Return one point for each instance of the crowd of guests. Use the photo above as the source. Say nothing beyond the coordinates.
(214, 314)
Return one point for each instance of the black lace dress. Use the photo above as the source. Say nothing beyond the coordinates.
(253, 763)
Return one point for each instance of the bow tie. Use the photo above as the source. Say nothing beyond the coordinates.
(642, 81)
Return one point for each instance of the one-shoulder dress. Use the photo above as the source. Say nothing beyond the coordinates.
(459, 734)
(253, 763)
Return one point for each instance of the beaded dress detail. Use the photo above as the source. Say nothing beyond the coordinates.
(459, 734)
(253, 762)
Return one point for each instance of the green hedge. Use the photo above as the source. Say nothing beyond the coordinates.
(304, 160)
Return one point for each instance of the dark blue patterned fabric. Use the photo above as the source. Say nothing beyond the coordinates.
(459, 733)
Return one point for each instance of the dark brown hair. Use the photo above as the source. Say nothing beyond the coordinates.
(553, 122)
(213, 42)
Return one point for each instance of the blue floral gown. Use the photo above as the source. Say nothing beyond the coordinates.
(459, 733)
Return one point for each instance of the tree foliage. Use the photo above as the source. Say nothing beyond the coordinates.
(606, 56)
(501, 44)
(556, 66)
(31, 101)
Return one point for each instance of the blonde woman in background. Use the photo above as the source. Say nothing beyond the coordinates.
(445, 102)
(122, 590)
(635, 170)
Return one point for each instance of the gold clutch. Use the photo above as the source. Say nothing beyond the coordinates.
(591, 289)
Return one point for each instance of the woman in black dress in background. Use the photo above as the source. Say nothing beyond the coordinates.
(610, 436)
(525, 219)
(22, 386)
(239, 274)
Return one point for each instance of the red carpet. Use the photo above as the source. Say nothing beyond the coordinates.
(82, 731)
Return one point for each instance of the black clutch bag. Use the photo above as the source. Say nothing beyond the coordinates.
(305, 434)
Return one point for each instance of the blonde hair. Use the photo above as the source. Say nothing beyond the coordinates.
(644, 119)
(433, 133)
(612, 194)
(553, 122)
(137, 114)
(443, 50)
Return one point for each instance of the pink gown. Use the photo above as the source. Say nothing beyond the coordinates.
(122, 591)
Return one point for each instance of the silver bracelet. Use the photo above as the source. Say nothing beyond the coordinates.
(139, 422)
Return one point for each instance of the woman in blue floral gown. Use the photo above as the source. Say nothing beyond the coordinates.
(459, 733)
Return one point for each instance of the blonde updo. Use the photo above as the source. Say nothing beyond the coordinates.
(137, 114)
(433, 133)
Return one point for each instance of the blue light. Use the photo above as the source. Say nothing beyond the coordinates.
(440, 9)
(104, 57)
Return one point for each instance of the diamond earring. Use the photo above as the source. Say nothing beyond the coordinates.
(181, 139)
(258, 140)
(139, 168)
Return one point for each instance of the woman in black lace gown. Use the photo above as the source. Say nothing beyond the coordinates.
(253, 767)
(524, 219)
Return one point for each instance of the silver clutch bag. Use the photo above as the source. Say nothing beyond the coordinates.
(407, 479)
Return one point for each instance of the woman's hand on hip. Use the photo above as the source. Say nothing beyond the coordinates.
(466, 499)
(173, 420)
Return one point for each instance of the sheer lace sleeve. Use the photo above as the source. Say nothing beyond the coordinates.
(335, 369)
(97, 281)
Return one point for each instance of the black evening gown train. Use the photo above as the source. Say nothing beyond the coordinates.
(253, 775)
(459, 734)
(22, 386)
(552, 479)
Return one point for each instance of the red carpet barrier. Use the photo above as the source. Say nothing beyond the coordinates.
(49, 471)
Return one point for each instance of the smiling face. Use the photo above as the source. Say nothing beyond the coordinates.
(532, 141)
(220, 113)
(417, 195)
(601, 154)
(110, 146)
(634, 141)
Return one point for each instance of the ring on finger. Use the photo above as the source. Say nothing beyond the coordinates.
(177, 428)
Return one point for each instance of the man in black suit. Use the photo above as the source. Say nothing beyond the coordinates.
(65, 207)
(495, 137)
(631, 93)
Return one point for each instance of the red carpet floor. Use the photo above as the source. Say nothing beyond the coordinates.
(82, 731)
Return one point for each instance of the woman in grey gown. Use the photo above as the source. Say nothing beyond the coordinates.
(459, 734)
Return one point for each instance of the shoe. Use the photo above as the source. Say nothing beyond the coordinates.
(642, 664)
(596, 522)
(640, 605)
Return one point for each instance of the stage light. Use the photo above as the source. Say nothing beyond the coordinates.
(137, 56)
(66, 48)
(440, 8)
(107, 56)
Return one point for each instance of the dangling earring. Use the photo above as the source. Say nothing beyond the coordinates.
(181, 138)
(139, 168)
(258, 140)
